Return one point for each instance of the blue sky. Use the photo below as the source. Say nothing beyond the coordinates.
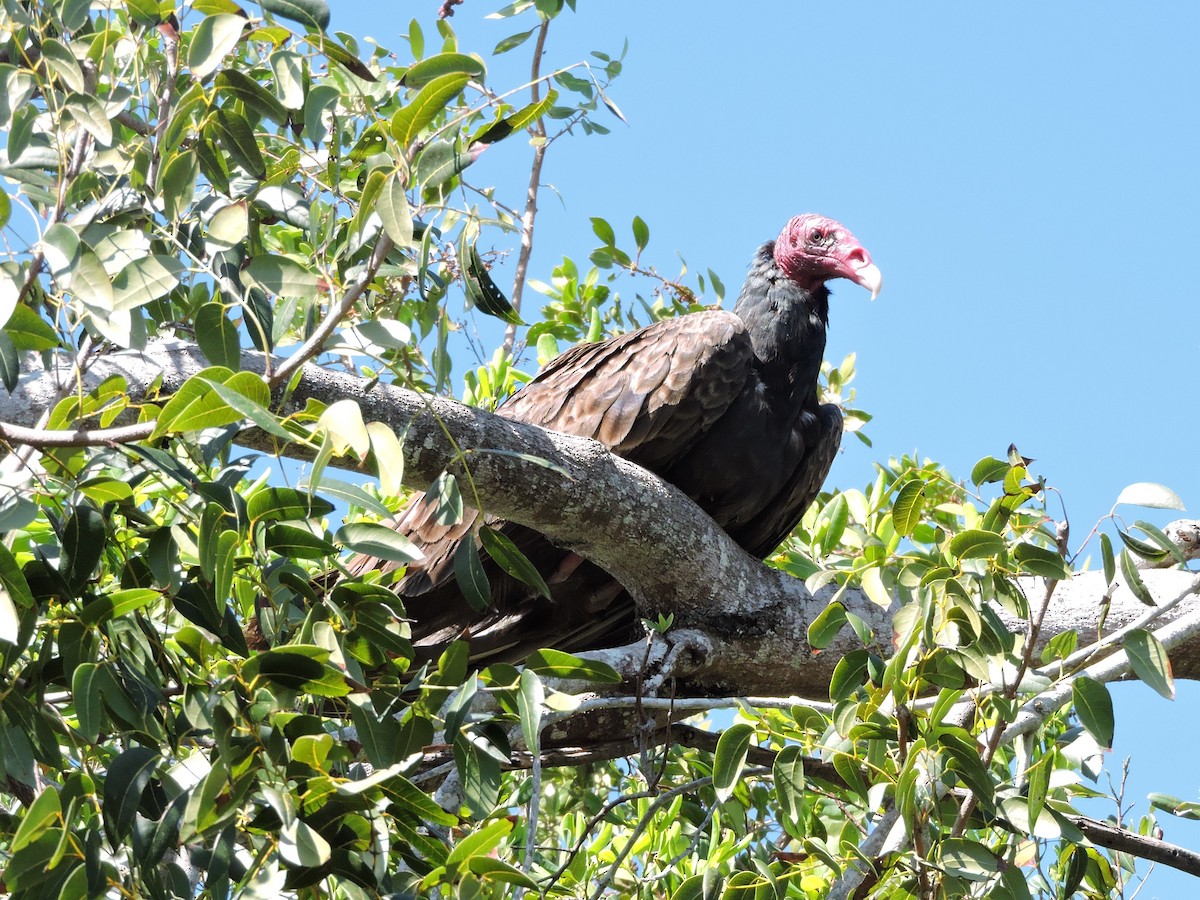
(1025, 176)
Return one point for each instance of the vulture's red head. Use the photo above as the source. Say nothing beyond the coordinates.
(812, 249)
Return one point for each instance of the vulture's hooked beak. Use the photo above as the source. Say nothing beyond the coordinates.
(869, 277)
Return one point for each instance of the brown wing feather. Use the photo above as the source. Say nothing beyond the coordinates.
(647, 395)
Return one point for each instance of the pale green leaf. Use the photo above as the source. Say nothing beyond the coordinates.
(212, 41)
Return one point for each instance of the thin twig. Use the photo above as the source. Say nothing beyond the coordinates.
(333, 318)
(531, 193)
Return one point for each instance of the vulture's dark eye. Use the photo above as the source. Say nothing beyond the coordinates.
(816, 236)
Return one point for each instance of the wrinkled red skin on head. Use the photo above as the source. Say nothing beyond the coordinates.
(813, 249)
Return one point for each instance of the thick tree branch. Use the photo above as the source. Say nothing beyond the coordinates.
(740, 626)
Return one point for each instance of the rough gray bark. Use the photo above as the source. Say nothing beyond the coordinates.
(739, 626)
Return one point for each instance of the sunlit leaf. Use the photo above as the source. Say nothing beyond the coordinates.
(1150, 661)
(1151, 495)
(730, 758)
(212, 41)
(378, 541)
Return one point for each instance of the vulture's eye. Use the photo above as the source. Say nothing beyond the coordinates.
(816, 236)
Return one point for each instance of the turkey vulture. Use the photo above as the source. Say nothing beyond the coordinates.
(721, 404)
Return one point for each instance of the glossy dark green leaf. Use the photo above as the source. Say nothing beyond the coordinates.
(788, 771)
(470, 575)
(506, 555)
(557, 664)
(825, 627)
(512, 41)
(730, 758)
(89, 707)
(1150, 661)
(117, 603)
(849, 675)
(275, 504)
(310, 13)
(521, 119)
(293, 542)
(1093, 705)
(126, 779)
(438, 163)
(604, 231)
(83, 541)
(906, 511)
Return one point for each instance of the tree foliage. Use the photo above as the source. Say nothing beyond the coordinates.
(191, 706)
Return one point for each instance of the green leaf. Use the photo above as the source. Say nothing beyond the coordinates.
(470, 575)
(443, 495)
(212, 41)
(218, 336)
(1160, 538)
(1093, 704)
(378, 541)
(604, 231)
(126, 779)
(300, 845)
(530, 699)
(968, 859)
(480, 842)
(83, 541)
(144, 280)
(788, 771)
(556, 664)
(90, 114)
(242, 395)
(522, 118)
(989, 470)
(730, 758)
(976, 544)
(1110, 563)
(234, 83)
(237, 137)
(177, 184)
(1133, 580)
(45, 811)
(274, 504)
(1151, 552)
(197, 405)
(310, 13)
(424, 72)
(1041, 561)
(118, 603)
(1150, 661)
(512, 42)
(824, 627)
(641, 231)
(393, 210)
(480, 775)
(283, 276)
(497, 870)
(506, 555)
(420, 112)
(89, 707)
(298, 543)
(1152, 495)
(906, 511)
(848, 675)
(29, 331)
